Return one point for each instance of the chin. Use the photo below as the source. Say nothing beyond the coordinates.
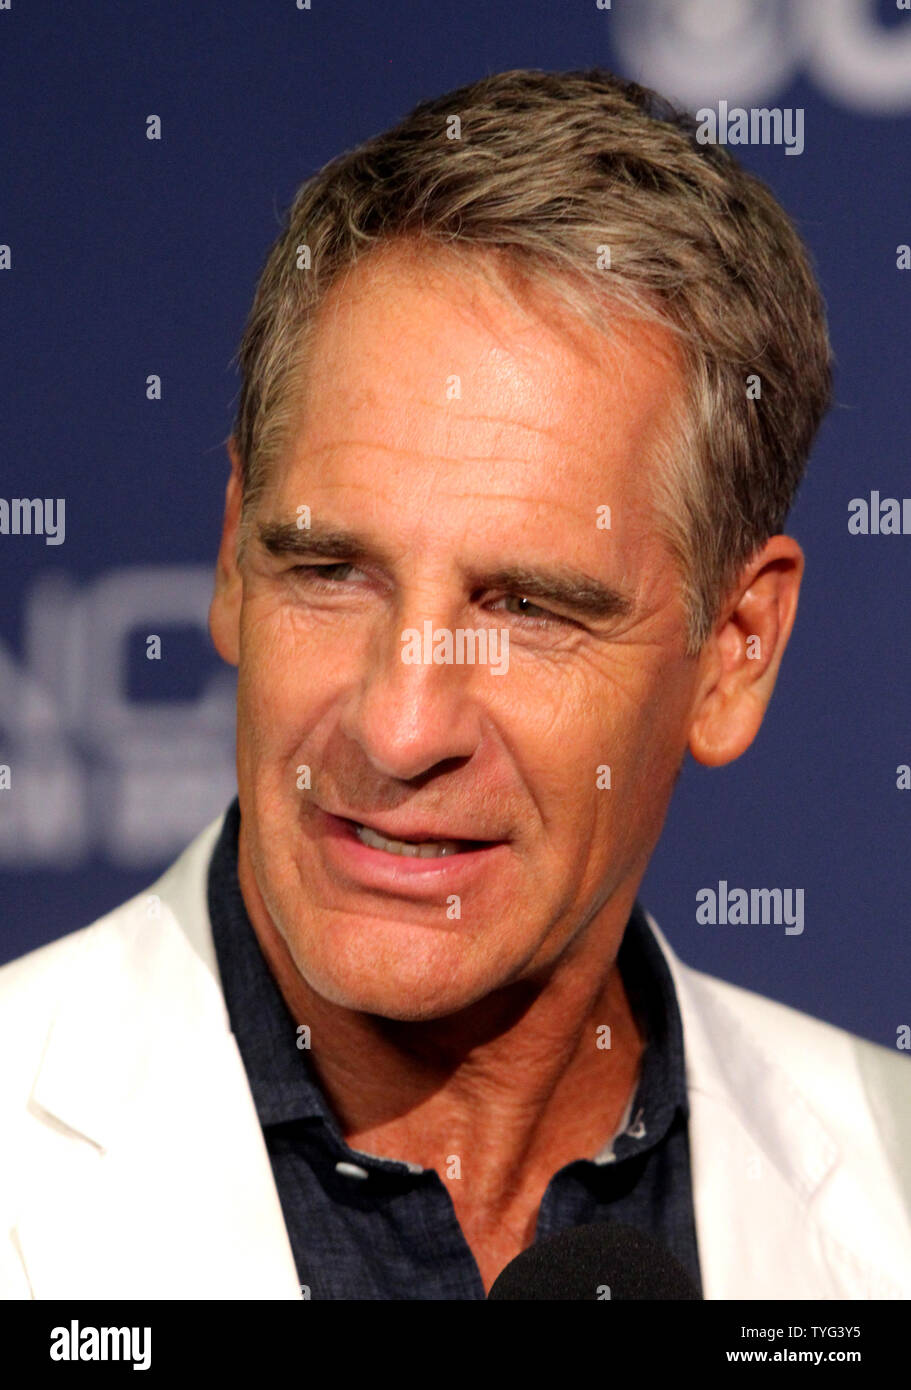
(402, 1000)
(405, 984)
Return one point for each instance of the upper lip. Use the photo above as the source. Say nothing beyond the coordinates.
(415, 830)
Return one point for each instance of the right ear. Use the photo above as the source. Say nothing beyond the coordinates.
(224, 610)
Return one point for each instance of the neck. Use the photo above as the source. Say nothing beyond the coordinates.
(516, 1083)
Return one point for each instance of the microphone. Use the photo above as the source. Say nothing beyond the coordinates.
(604, 1260)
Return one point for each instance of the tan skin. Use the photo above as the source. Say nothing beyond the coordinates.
(476, 1038)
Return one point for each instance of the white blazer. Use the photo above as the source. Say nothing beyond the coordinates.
(132, 1163)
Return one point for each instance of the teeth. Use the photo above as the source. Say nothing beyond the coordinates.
(429, 849)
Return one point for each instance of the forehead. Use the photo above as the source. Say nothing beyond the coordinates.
(419, 367)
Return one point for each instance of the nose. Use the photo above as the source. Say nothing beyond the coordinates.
(408, 717)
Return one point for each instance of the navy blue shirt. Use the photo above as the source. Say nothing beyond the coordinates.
(361, 1226)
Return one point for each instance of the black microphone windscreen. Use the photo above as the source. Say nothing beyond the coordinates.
(603, 1260)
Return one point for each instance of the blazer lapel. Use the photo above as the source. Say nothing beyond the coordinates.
(150, 1175)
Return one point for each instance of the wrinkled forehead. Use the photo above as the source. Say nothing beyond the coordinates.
(425, 357)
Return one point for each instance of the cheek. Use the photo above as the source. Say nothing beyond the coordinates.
(599, 749)
(650, 747)
(569, 721)
(274, 690)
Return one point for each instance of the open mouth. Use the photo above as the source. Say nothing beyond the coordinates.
(415, 849)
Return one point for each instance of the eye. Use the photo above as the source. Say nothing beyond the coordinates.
(321, 574)
(534, 612)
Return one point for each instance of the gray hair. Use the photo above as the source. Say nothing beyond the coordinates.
(547, 169)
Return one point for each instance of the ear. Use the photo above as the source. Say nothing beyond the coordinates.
(224, 610)
(742, 657)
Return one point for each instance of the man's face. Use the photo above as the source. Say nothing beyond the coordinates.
(457, 437)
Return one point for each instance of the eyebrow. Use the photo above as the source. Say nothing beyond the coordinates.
(561, 584)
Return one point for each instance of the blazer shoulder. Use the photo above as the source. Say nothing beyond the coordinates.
(30, 984)
(34, 986)
(38, 975)
(861, 1090)
(782, 1026)
(32, 989)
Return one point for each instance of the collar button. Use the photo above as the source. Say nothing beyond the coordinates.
(351, 1170)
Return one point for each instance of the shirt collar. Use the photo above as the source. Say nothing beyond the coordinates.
(661, 1090)
(281, 1076)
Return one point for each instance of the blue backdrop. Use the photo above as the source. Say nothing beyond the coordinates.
(130, 257)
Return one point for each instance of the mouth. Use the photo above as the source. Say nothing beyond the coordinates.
(419, 847)
(418, 866)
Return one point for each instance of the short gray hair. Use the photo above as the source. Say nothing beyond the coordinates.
(548, 169)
